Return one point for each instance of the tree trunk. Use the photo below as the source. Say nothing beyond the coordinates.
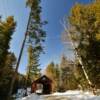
(80, 61)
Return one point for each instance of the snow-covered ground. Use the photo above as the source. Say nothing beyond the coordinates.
(69, 95)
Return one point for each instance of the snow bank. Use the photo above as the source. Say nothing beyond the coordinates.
(68, 95)
(31, 97)
(78, 95)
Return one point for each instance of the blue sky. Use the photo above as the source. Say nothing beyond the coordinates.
(53, 11)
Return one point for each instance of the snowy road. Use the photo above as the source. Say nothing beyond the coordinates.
(69, 95)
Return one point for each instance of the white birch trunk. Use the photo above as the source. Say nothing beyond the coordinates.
(78, 56)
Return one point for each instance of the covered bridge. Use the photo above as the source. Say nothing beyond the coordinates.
(43, 83)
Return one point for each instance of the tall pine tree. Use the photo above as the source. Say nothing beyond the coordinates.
(34, 32)
(7, 29)
(33, 70)
(7, 59)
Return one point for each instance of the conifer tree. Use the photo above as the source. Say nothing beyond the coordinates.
(67, 74)
(33, 70)
(6, 75)
(84, 33)
(34, 32)
(52, 71)
(7, 29)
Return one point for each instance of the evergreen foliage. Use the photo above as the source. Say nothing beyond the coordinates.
(62, 75)
(52, 71)
(6, 75)
(7, 59)
(7, 29)
(67, 74)
(35, 29)
(33, 70)
(36, 36)
(83, 27)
